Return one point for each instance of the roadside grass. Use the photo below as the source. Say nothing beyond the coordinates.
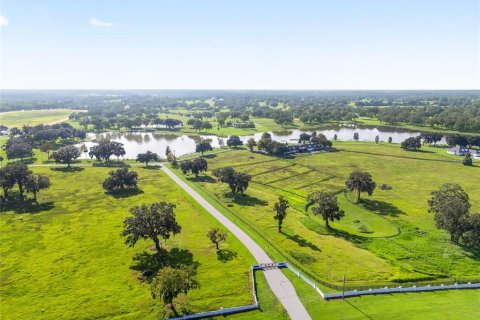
(453, 304)
(399, 241)
(69, 261)
(33, 117)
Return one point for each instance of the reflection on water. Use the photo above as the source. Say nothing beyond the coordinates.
(139, 142)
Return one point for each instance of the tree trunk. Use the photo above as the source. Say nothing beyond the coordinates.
(157, 244)
(20, 189)
(35, 197)
(68, 164)
(279, 227)
(358, 196)
(173, 309)
(216, 246)
(327, 224)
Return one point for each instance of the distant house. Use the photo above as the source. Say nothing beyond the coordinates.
(247, 124)
(463, 151)
(458, 150)
(3, 130)
(301, 148)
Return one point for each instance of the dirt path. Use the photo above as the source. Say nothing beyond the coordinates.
(278, 282)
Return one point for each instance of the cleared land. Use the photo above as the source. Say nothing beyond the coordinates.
(66, 259)
(34, 117)
(401, 243)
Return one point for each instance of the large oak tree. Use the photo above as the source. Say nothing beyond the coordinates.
(153, 221)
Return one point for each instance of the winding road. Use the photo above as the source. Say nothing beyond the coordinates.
(278, 282)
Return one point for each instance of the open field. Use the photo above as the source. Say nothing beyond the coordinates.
(66, 259)
(34, 117)
(455, 304)
(376, 122)
(401, 243)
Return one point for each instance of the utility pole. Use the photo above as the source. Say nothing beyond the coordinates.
(343, 289)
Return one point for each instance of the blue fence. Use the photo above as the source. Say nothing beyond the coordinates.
(384, 290)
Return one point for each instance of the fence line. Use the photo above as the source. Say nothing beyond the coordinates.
(384, 290)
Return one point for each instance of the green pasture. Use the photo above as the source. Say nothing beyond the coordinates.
(389, 237)
(34, 117)
(376, 122)
(65, 258)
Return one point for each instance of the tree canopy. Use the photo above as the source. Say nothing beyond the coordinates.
(450, 205)
(234, 141)
(147, 157)
(326, 206)
(194, 166)
(105, 149)
(411, 144)
(66, 155)
(170, 282)
(237, 181)
(120, 179)
(360, 182)
(280, 207)
(151, 221)
(217, 236)
(203, 147)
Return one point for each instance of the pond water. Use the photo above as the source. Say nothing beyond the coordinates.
(139, 142)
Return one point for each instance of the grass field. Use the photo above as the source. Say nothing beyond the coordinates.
(66, 259)
(34, 117)
(452, 305)
(402, 243)
(376, 122)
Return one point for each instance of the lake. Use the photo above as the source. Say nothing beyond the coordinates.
(140, 142)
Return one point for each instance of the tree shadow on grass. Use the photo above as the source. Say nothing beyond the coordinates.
(471, 252)
(321, 229)
(209, 156)
(381, 207)
(111, 164)
(119, 194)
(247, 200)
(67, 169)
(422, 151)
(150, 263)
(154, 167)
(225, 255)
(302, 242)
(206, 179)
(31, 160)
(26, 206)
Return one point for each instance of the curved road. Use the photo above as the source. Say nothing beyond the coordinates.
(278, 282)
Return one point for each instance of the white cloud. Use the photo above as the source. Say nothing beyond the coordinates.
(3, 21)
(99, 23)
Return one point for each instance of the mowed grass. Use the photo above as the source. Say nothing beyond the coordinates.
(68, 260)
(389, 237)
(34, 117)
(452, 305)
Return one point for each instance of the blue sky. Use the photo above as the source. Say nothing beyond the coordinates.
(207, 44)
